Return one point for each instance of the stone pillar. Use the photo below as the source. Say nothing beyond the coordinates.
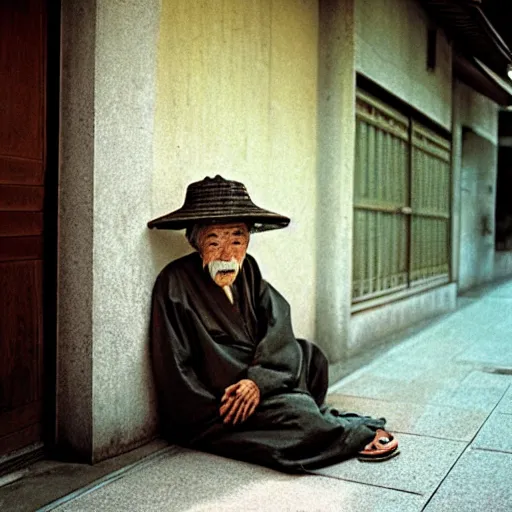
(105, 403)
(456, 173)
(74, 427)
(336, 142)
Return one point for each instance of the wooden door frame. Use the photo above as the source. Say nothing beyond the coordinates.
(50, 222)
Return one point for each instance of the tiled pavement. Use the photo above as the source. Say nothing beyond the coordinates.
(447, 394)
(446, 391)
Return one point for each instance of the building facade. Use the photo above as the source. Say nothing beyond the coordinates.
(345, 115)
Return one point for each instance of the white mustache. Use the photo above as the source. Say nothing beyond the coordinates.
(218, 266)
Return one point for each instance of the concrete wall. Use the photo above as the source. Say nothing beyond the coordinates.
(123, 405)
(475, 136)
(236, 96)
(156, 95)
(391, 49)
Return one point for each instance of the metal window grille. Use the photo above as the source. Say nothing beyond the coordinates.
(401, 202)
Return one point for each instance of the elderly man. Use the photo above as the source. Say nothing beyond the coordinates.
(231, 377)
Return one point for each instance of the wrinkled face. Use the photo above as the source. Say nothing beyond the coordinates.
(223, 248)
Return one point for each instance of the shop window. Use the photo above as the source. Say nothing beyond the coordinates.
(401, 203)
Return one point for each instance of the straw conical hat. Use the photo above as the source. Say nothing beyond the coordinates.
(219, 200)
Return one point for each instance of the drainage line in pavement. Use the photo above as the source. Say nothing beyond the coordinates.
(429, 436)
(465, 449)
(494, 450)
(338, 478)
(108, 479)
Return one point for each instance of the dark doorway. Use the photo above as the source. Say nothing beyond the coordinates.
(27, 224)
(503, 202)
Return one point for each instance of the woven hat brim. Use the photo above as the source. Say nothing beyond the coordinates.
(258, 218)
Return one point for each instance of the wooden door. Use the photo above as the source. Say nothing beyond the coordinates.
(22, 171)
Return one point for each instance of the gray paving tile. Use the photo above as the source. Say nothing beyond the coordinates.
(478, 391)
(494, 349)
(456, 332)
(484, 380)
(450, 335)
(430, 420)
(198, 482)
(430, 354)
(496, 434)
(480, 481)
(406, 370)
(434, 386)
(505, 406)
(48, 480)
(503, 290)
(495, 359)
(420, 467)
(489, 313)
(498, 315)
(315, 494)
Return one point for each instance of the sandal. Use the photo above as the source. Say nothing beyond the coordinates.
(383, 447)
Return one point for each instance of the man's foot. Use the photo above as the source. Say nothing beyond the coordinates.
(383, 447)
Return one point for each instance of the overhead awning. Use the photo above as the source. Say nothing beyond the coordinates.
(472, 32)
(482, 79)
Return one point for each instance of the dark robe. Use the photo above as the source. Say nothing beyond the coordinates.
(201, 344)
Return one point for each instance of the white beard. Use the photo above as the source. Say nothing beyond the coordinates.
(216, 266)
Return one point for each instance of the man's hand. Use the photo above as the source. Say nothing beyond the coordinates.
(239, 401)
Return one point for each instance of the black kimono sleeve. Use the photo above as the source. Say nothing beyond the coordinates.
(278, 357)
(186, 406)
